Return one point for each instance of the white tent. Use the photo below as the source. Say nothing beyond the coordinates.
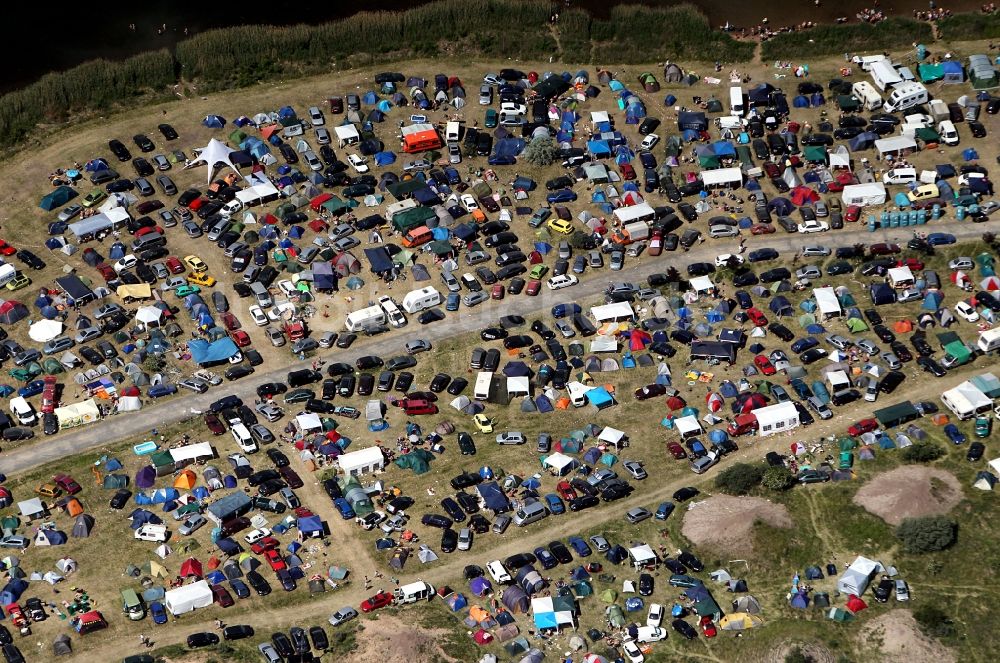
(839, 157)
(776, 418)
(602, 343)
(128, 404)
(213, 154)
(162, 551)
(45, 330)
(613, 436)
(872, 193)
(308, 422)
(78, 414)
(642, 555)
(192, 452)
(188, 597)
(518, 386)
(149, 316)
(362, 461)
(901, 277)
(615, 312)
(702, 285)
(560, 463)
(856, 577)
(688, 426)
(827, 302)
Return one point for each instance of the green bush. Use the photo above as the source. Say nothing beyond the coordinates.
(778, 478)
(894, 33)
(739, 479)
(933, 620)
(541, 152)
(927, 534)
(922, 452)
(965, 27)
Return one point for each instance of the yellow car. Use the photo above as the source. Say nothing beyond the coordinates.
(18, 282)
(483, 423)
(196, 264)
(202, 279)
(561, 226)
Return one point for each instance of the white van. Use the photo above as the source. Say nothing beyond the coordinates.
(905, 95)
(22, 411)
(452, 132)
(7, 274)
(242, 436)
(530, 513)
(232, 207)
(421, 298)
(736, 106)
(151, 532)
(949, 135)
(499, 572)
(900, 176)
(577, 393)
(729, 123)
(867, 95)
(366, 317)
(483, 382)
(413, 592)
(938, 110)
(392, 312)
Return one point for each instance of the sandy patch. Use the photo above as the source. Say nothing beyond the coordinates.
(389, 639)
(909, 492)
(724, 522)
(898, 638)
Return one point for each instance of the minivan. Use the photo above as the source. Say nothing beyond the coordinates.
(530, 513)
(261, 294)
(148, 241)
(132, 606)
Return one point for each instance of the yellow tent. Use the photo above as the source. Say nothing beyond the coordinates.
(155, 570)
(185, 480)
(740, 621)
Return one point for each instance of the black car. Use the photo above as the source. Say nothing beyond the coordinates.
(238, 371)
(120, 498)
(883, 590)
(901, 351)
(759, 255)
(700, 269)
(143, 143)
(690, 561)
(282, 644)
(319, 639)
(645, 584)
(119, 150)
(457, 386)
(30, 259)
(437, 520)
(776, 274)
(812, 355)
(745, 278)
(278, 458)
(465, 480)
(781, 331)
(920, 344)
(891, 380)
(168, 131)
(560, 552)
(931, 366)
(684, 494)
(237, 632)
(453, 509)
(479, 524)
(299, 640)
(202, 639)
(449, 540)
(258, 583)
(440, 382)
(684, 629)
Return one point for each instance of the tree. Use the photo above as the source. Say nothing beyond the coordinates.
(796, 655)
(933, 620)
(989, 238)
(778, 478)
(541, 151)
(153, 363)
(927, 533)
(922, 452)
(739, 479)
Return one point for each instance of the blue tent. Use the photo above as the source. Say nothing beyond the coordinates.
(214, 121)
(862, 141)
(932, 301)
(780, 206)
(286, 113)
(203, 352)
(295, 232)
(800, 101)
(970, 154)
(369, 98)
(384, 106)
(141, 516)
(259, 151)
(599, 148)
(95, 165)
(508, 147)
(201, 493)
(384, 158)
(800, 600)
(215, 577)
(600, 398)
(543, 403)
(817, 99)
(815, 328)
(310, 525)
(117, 251)
(592, 455)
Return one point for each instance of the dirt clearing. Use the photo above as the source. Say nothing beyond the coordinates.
(898, 638)
(724, 523)
(909, 492)
(389, 639)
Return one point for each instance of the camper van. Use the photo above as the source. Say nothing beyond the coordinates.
(736, 107)
(7, 274)
(366, 317)
(421, 298)
(867, 95)
(949, 135)
(398, 208)
(452, 132)
(483, 382)
(577, 393)
(392, 312)
(261, 295)
(132, 606)
(905, 95)
(418, 236)
(242, 436)
(151, 532)
(989, 340)
(22, 411)
(413, 592)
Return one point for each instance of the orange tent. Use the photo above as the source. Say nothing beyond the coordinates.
(562, 403)
(269, 130)
(185, 480)
(213, 563)
(73, 507)
(903, 326)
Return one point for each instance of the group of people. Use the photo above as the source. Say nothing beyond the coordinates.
(932, 14)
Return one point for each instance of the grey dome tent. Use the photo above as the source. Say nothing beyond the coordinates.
(62, 645)
(515, 600)
(672, 73)
(81, 528)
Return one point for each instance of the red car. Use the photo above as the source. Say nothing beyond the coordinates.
(566, 491)
(274, 558)
(655, 244)
(676, 450)
(761, 229)
(708, 627)
(764, 364)
(852, 214)
(862, 427)
(757, 316)
(628, 172)
(174, 265)
(267, 543)
(221, 596)
(67, 483)
(6, 249)
(533, 287)
(380, 600)
(497, 291)
(241, 338)
(883, 249)
(214, 423)
(912, 263)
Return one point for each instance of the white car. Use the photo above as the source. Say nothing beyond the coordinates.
(649, 634)
(287, 288)
(359, 163)
(258, 316)
(655, 615)
(649, 142)
(966, 312)
(511, 437)
(722, 230)
(631, 652)
(562, 281)
(814, 227)
(126, 262)
(635, 468)
(962, 262)
(277, 312)
(727, 259)
(469, 203)
(256, 535)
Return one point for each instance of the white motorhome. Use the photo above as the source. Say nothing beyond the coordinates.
(483, 382)
(989, 340)
(397, 208)
(452, 132)
(884, 74)
(736, 107)
(366, 317)
(413, 592)
(905, 95)
(421, 298)
(966, 400)
(949, 134)
(867, 95)
(151, 532)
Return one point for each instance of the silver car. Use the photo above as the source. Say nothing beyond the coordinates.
(637, 514)
(322, 136)
(310, 158)
(808, 272)
(192, 525)
(345, 614)
(275, 336)
(88, 334)
(454, 153)
(475, 298)
(720, 230)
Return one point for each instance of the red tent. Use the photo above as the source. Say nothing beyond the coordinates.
(191, 567)
(714, 402)
(318, 201)
(483, 637)
(638, 340)
(744, 403)
(855, 604)
(675, 403)
(803, 195)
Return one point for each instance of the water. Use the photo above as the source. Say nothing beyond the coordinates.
(81, 33)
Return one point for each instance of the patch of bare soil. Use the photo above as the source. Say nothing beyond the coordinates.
(813, 652)
(725, 522)
(389, 639)
(897, 637)
(909, 492)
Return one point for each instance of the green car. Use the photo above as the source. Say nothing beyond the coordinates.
(491, 118)
(185, 290)
(678, 580)
(94, 197)
(846, 460)
(537, 272)
(982, 425)
(299, 395)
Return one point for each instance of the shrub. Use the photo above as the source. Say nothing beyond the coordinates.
(778, 478)
(922, 452)
(927, 534)
(796, 655)
(541, 152)
(896, 32)
(933, 620)
(963, 27)
(739, 479)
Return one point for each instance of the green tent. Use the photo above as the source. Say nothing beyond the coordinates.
(839, 615)
(57, 198)
(440, 247)
(959, 351)
(9, 522)
(616, 616)
(848, 103)
(237, 137)
(412, 461)
(930, 72)
(52, 366)
(403, 190)
(115, 481)
(807, 319)
(161, 459)
(284, 209)
(582, 588)
(708, 161)
(927, 135)
(815, 153)
(847, 443)
(413, 217)
(856, 325)
(609, 595)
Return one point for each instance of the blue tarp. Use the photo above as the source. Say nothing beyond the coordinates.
(599, 148)
(204, 352)
(228, 546)
(310, 525)
(493, 497)
(508, 147)
(379, 260)
(214, 121)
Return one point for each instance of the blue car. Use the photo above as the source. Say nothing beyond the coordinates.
(955, 435)
(803, 344)
(158, 613)
(33, 388)
(580, 546)
(938, 239)
(743, 299)
(545, 558)
(453, 175)
(161, 390)
(664, 510)
(344, 507)
(566, 310)
(240, 588)
(501, 160)
(453, 301)
(561, 196)
(556, 506)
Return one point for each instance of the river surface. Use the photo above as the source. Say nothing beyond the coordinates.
(119, 29)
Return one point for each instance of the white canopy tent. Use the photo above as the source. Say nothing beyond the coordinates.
(213, 154)
(642, 555)
(45, 330)
(872, 193)
(149, 316)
